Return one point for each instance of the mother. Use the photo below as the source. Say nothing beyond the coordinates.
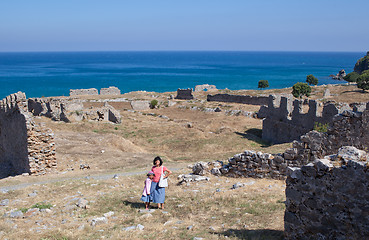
(158, 193)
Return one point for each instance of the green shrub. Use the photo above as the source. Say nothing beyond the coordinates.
(153, 103)
(263, 84)
(352, 77)
(301, 89)
(320, 127)
(42, 205)
(363, 81)
(311, 80)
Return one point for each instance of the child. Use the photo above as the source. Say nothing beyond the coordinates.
(146, 192)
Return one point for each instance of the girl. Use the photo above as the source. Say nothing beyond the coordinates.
(146, 197)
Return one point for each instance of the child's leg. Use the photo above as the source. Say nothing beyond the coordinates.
(147, 205)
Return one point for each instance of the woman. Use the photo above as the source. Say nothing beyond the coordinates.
(158, 193)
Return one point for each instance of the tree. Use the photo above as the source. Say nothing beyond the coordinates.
(311, 80)
(352, 77)
(301, 89)
(363, 81)
(263, 84)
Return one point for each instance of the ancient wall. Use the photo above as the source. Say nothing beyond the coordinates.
(346, 129)
(328, 199)
(89, 91)
(70, 110)
(25, 147)
(184, 94)
(285, 121)
(244, 99)
(110, 91)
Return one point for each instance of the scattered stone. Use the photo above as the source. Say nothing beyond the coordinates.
(237, 185)
(33, 194)
(31, 212)
(16, 214)
(190, 227)
(146, 210)
(4, 202)
(98, 221)
(115, 176)
(189, 125)
(109, 214)
(129, 228)
(140, 227)
(82, 203)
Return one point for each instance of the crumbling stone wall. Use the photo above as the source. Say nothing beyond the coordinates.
(25, 147)
(328, 199)
(284, 120)
(110, 91)
(89, 91)
(244, 99)
(69, 110)
(346, 129)
(184, 94)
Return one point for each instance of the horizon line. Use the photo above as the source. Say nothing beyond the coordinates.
(97, 51)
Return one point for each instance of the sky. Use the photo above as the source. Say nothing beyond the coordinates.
(166, 25)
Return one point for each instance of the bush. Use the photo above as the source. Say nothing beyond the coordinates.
(301, 89)
(263, 84)
(311, 80)
(320, 127)
(153, 104)
(352, 77)
(363, 81)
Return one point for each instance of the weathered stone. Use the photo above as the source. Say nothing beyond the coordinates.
(98, 221)
(243, 99)
(82, 203)
(89, 91)
(205, 87)
(140, 105)
(110, 91)
(4, 202)
(184, 94)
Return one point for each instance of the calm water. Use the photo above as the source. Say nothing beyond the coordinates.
(53, 74)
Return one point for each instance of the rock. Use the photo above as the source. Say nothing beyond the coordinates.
(200, 168)
(146, 210)
(90, 91)
(205, 87)
(110, 91)
(16, 214)
(348, 153)
(109, 214)
(327, 93)
(140, 105)
(237, 185)
(190, 227)
(140, 227)
(4, 202)
(33, 194)
(129, 228)
(98, 221)
(197, 238)
(340, 75)
(82, 203)
(189, 125)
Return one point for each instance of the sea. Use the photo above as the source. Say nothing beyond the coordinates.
(55, 73)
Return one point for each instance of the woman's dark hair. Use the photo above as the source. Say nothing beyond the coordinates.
(158, 158)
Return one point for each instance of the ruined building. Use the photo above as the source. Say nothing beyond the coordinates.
(25, 146)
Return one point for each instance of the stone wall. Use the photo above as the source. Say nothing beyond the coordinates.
(244, 99)
(328, 199)
(184, 94)
(285, 121)
(25, 146)
(71, 110)
(346, 129)
(78, 92)
(110, 91)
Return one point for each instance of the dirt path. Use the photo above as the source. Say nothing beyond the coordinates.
(18, 186)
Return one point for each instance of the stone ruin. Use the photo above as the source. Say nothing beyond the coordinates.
(244, 99)
(205, 87)
(327, 178)
(93, 91)
(25, 146)
(285, 121)
(110, 91)
(184, 94)
(78, 92)
(328, 198)
(69, 110)
(346, 129)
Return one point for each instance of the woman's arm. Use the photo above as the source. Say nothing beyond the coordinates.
(167, 173)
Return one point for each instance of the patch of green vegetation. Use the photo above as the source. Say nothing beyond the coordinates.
(115, 128)
(263, 84)
(311, 79)
(320, 127)
(150, 140)
(23, 210)
(42, 205)
(154, 104)
(301, 89)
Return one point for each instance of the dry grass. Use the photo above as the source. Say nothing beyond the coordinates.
(251, 212)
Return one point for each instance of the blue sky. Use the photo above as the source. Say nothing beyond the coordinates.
(250, 25)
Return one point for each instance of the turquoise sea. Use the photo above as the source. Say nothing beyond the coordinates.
(54, 73)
